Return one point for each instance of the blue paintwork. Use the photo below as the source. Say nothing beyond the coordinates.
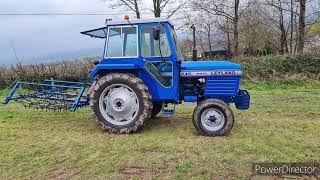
(117, 66)
(168, 112)
(10, 95)
(136, 66)
(242, 101)
(209, 65)
(190, 99)
(222, 86)
(222, 78)
(160, 93)
(76, 101)
(53, 81)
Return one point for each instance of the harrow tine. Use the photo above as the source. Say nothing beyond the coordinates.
(50, 97)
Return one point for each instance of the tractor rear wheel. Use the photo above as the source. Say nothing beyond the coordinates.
(213, 117)
(121, 102)
(157, 107)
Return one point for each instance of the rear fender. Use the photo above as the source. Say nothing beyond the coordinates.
(143, 74)
(104, 68)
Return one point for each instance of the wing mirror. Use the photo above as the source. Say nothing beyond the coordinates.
(156, 33)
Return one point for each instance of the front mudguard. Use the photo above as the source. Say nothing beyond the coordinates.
(242, 101)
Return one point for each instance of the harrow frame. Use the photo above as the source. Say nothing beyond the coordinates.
(77, 100)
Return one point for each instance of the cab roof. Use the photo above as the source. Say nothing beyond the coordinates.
(101, 32)
(137, 21)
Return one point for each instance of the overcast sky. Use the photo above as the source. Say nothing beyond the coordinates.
(32, 37)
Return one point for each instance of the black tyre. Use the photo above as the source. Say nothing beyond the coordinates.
(213, 117)
(121, 103)
(157, 107)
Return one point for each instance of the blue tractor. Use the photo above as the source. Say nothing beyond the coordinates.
(141, 72)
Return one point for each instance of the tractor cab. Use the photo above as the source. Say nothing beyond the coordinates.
(147, 48)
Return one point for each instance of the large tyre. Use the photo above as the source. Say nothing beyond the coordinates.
(121, 103)
(157, 107)
(213, 117)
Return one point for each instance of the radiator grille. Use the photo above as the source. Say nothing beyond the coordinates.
(221, 86)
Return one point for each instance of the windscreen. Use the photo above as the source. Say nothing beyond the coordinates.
(96, 33)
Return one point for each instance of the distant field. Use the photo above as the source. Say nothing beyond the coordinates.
(283, 125)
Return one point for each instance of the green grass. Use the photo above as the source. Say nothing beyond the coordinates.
(283, 125)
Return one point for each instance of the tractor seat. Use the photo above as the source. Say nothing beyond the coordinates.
(166, 70)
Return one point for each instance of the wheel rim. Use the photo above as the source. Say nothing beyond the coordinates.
(119, 104)
(212, 119)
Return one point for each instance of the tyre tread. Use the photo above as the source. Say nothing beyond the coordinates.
(208, 102)
(146, 96)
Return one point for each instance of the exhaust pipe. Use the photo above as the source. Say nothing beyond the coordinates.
(194, 51)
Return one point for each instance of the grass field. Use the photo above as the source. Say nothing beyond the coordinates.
(283, 125)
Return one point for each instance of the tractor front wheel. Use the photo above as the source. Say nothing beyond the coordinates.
(121, 102)
(213, 117)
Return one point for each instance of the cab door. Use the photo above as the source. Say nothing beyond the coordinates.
(159, 61)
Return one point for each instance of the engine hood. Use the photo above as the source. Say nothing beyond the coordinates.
(209, 69)
(209, 65)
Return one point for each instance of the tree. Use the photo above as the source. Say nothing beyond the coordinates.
(133, 5)
(157, 8)
(160, 5)
(208, 29)
(257, 26)
(283, 29)
(302, 26)
(292, 20)
(256, 34)
(227, 9)
(226, 30)
(278, 17)
(235, 26)
(186, 46)
(204, 27)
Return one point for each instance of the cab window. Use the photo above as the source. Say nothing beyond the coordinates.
(178, 49)
(154, 48)
(162, 72)
(122, 42)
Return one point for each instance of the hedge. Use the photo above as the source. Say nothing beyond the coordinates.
(283, 68)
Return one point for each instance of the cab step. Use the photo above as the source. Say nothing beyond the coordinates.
(168, 112)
